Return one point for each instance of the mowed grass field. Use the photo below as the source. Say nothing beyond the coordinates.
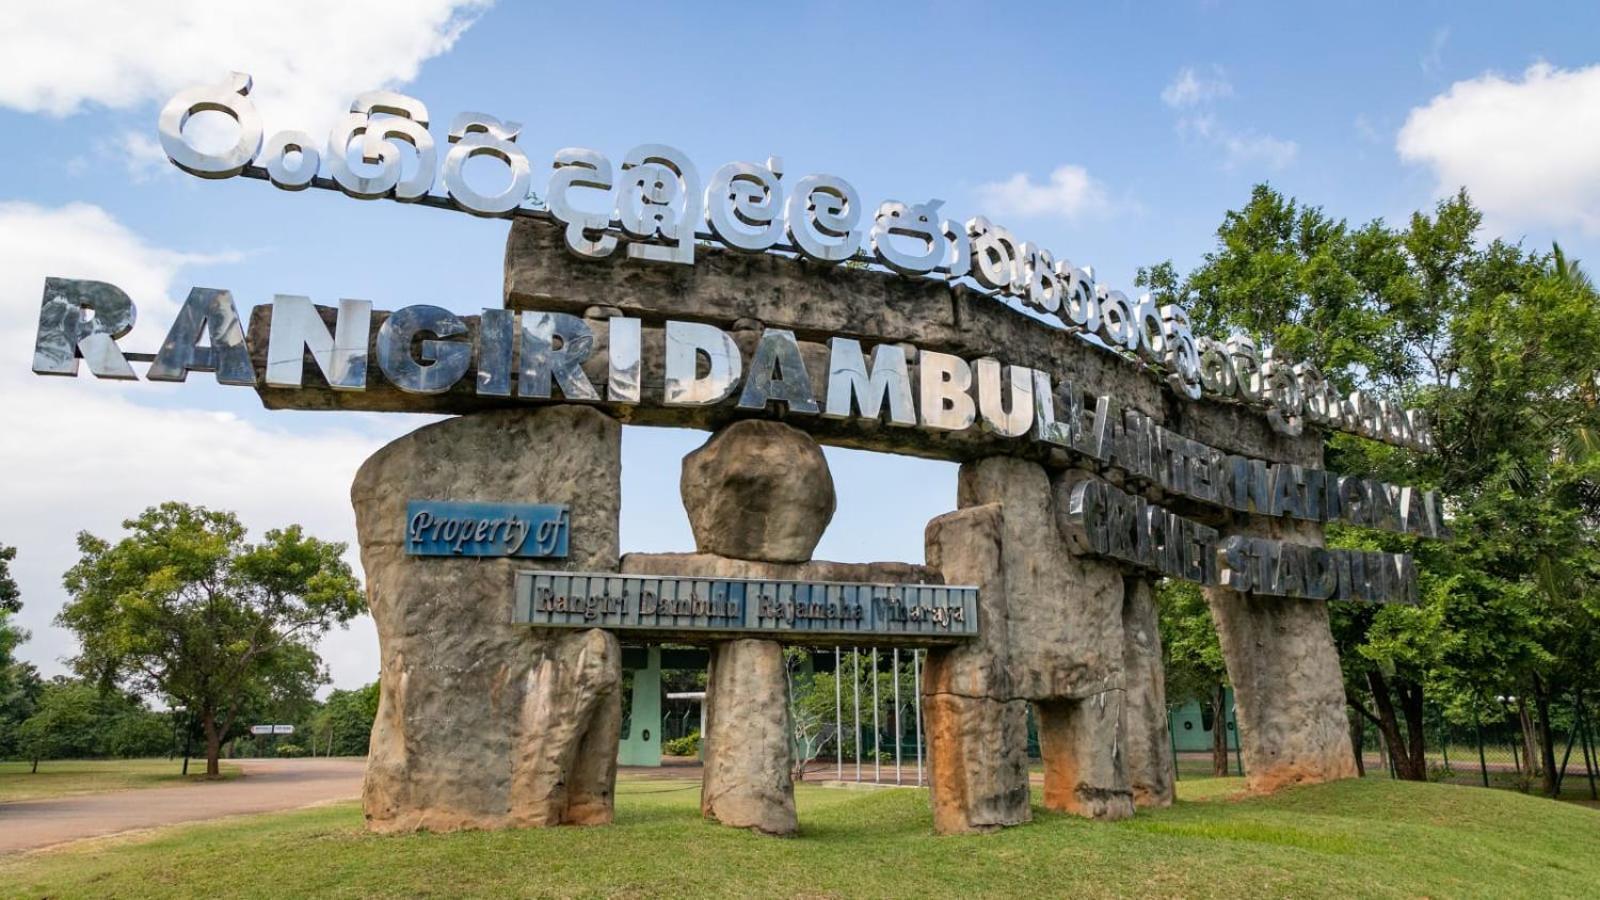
(59, 778)
(1352, 839)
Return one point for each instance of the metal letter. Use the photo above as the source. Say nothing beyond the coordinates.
(232, 98)
(624, 345)
(996, 418)
(211, 313)
(944, 382)
(443, 362)
(1246, 368)
(401, 117)
(849, 377)
(1080, 305)
(576, 167)
(479, 134)
(1042, 287)
(64, 333)
(821, 219)
(744, 196)
(496, 343)
(995, 257)
(297, 327)
(686, 343)
(792, 386)
(1117, 326)
(919, 223)
(275, 156)
(554, 347)
(660, 200)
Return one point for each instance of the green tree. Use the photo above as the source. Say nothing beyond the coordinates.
(185, 607)
(1195, 667)
(63, 725)
(19, 681)
(343, 725)
(1498, 344)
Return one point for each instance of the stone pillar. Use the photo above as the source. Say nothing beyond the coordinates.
(756, 491)
(482, 723)
(1148, 744)
(976, 726)
(1287, 686)
(1050, 632)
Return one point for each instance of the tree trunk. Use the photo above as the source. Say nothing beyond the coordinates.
(208, 721)
(1416, 746)
(1389, 725)
(1529, 754)
(1547, 739)
(1219, 732)
(35, 765)
(1357, 736)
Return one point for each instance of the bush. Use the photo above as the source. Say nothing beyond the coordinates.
(688, 745)
(291, 750)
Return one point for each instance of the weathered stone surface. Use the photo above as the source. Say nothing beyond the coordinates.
(977, 728)
(758, 490)
(1051, 632)
(482, 723)
(1286, 680)
(1148, 744)
(747, 781)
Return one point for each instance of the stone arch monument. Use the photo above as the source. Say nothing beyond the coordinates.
(1102, 446)
(1084, 478)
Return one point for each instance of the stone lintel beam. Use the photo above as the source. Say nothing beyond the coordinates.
(817, 302)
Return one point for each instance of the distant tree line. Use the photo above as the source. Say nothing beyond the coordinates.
(184, 611)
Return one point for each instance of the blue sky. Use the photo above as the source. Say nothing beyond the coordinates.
(1115, 134)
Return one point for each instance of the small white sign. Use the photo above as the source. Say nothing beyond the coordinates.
(272, 729)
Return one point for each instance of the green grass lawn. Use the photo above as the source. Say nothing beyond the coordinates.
(1352, 839)
(59, 777)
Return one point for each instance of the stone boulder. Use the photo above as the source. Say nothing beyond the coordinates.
(758, 490)
(482, 723)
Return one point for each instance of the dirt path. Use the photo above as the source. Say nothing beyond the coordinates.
(267, 785)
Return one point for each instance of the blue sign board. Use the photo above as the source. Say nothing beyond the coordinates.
(802, 612)
(450, 528)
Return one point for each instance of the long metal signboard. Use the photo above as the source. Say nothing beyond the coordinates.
(792, 611)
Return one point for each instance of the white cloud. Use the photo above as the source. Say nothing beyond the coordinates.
(1194, 96)
(1527, 149)
(1189, 88)
(83, 454)
(1070, 192)
(308, 57)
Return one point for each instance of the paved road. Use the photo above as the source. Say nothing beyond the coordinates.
(268, 785)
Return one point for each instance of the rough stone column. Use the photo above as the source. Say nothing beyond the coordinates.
(976, 726)
(758, 491)
(482, 723)
(1286, 681)
(1148, 744)
(1051, 632)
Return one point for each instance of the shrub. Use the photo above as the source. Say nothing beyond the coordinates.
(688, 745)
